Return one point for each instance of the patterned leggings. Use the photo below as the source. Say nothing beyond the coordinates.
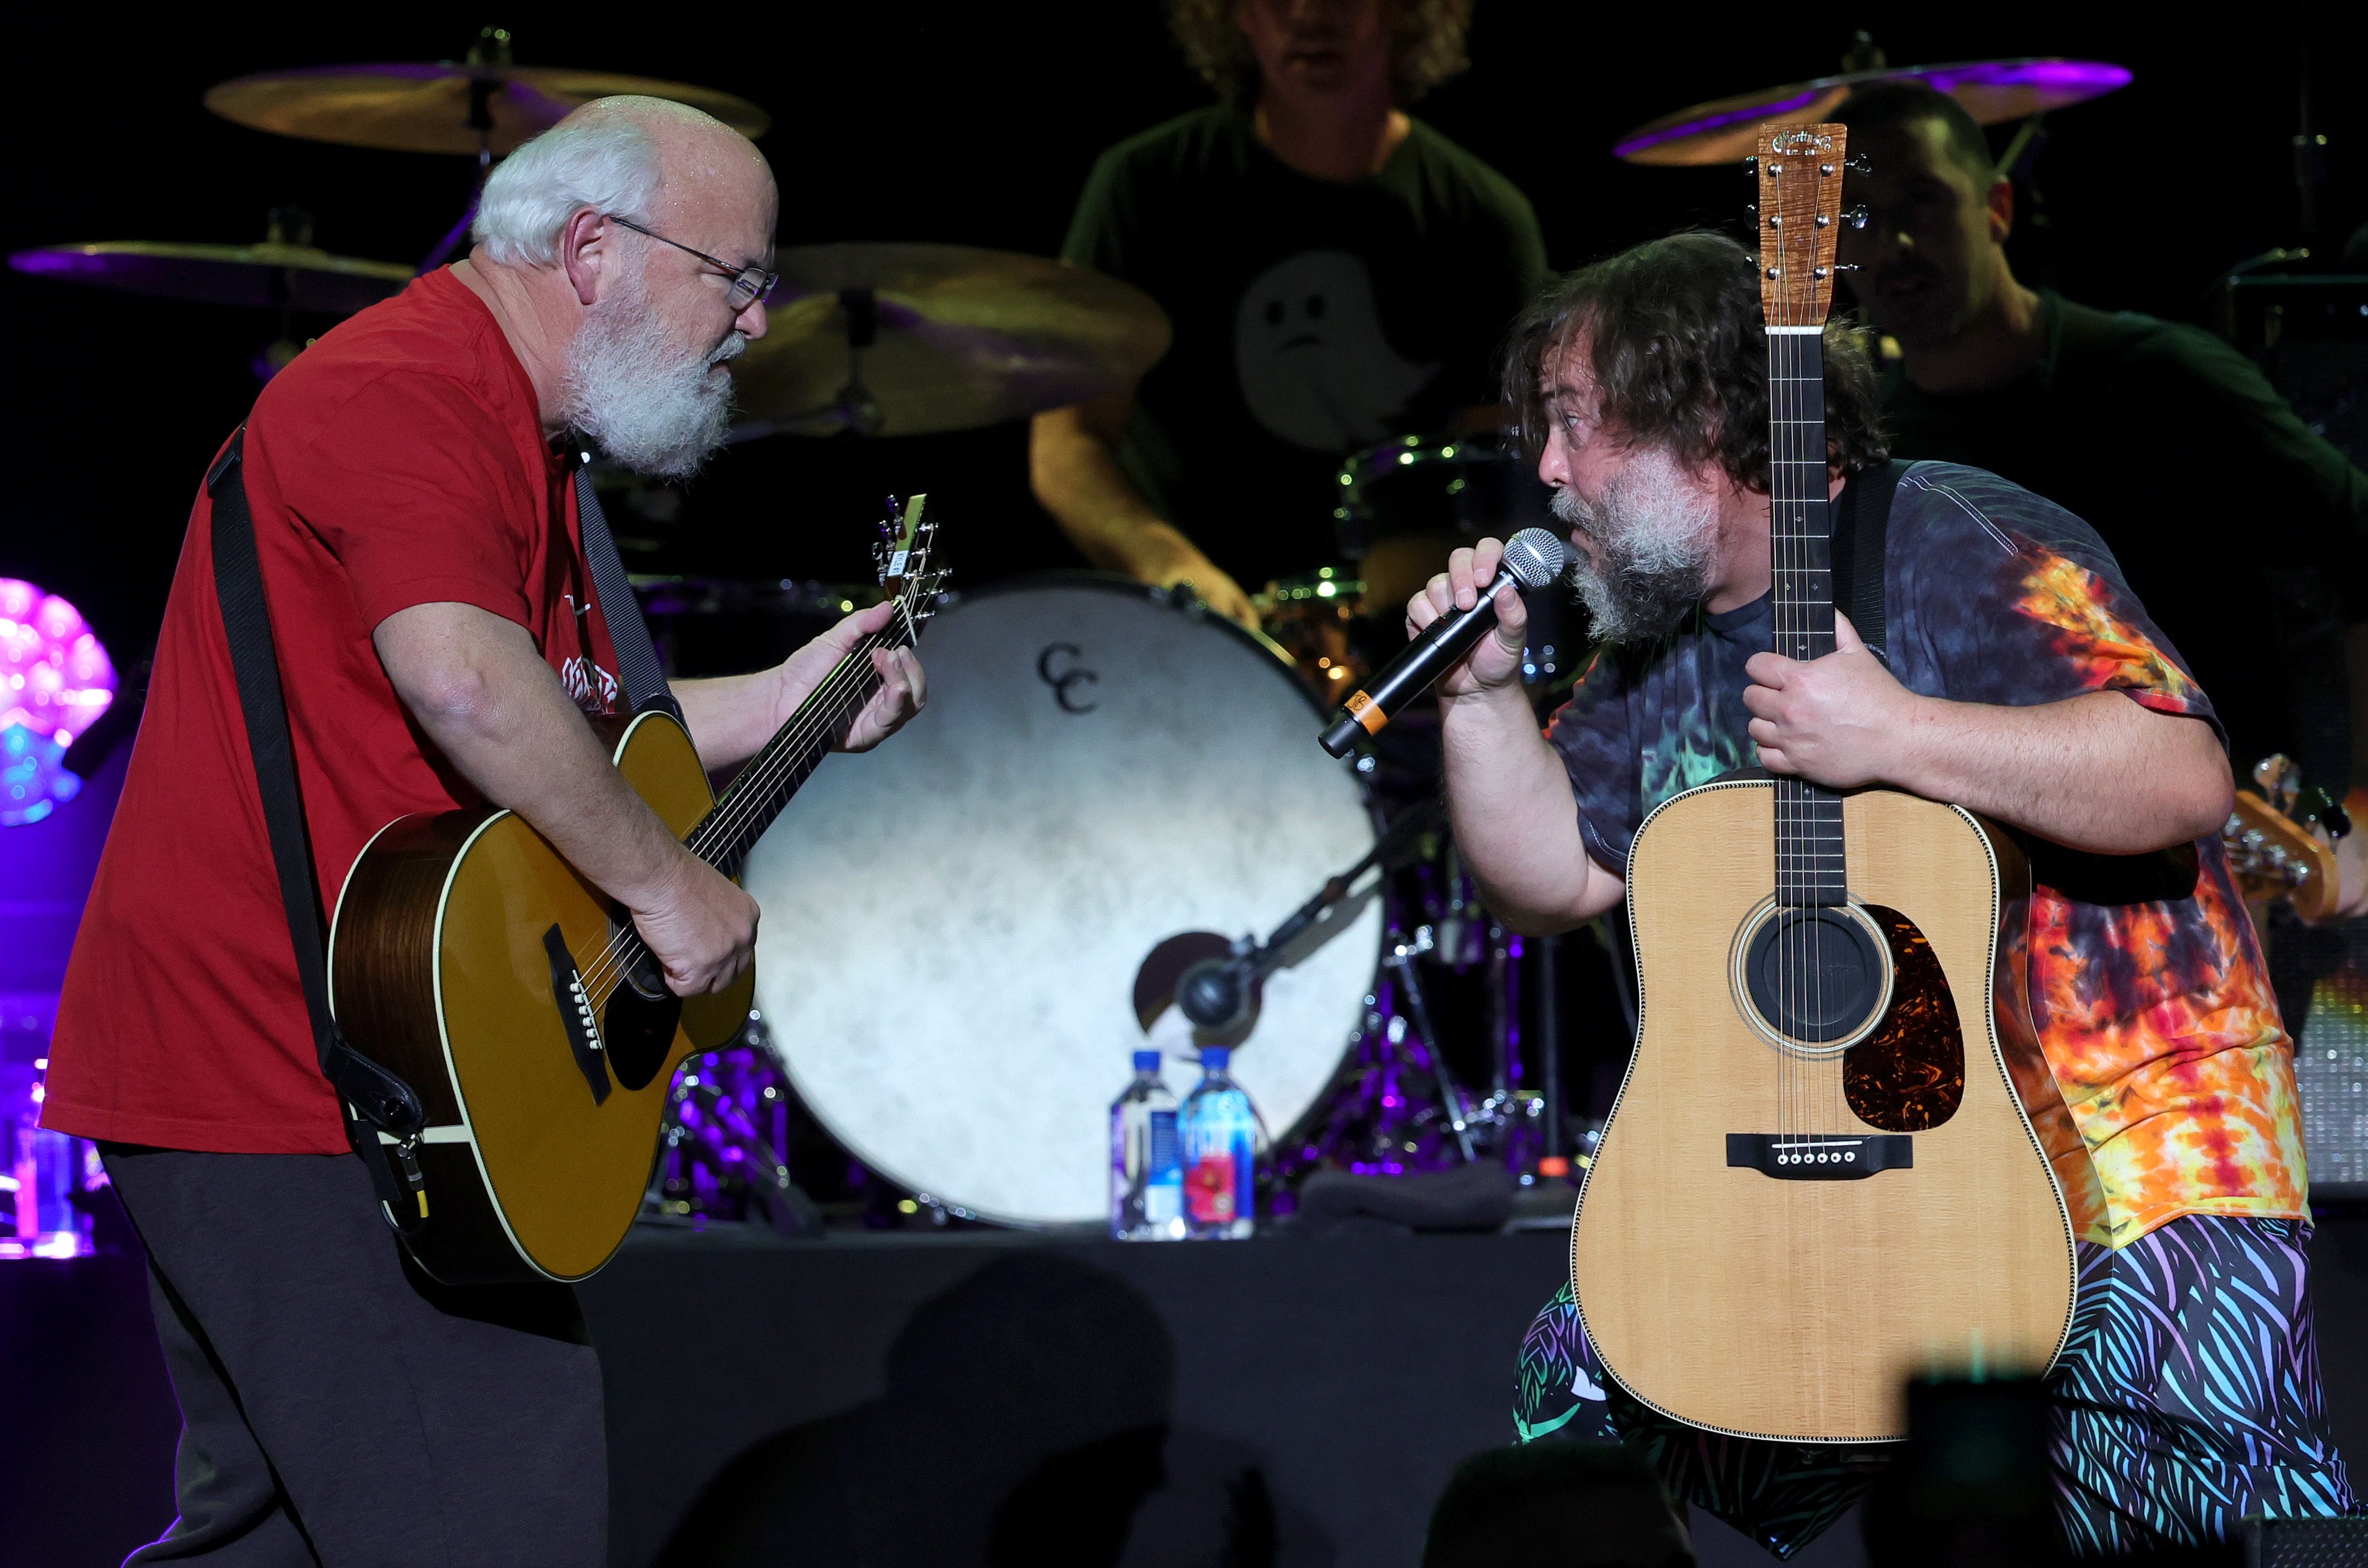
(2187, 1399)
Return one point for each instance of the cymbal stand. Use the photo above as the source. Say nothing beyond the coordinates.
(491, 50)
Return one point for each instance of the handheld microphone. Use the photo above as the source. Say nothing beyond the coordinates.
(1533, 558)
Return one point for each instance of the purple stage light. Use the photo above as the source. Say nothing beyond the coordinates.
(55, 681)
(1992, 91)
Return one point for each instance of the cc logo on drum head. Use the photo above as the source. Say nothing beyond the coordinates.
(1065, 681)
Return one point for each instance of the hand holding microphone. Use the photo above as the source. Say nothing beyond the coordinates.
(1446, 619)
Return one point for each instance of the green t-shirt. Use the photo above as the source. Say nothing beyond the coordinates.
(2244, 534)
(1313, 318)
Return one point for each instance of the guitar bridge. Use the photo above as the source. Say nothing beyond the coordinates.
(1819, 1156)
(576, 1014)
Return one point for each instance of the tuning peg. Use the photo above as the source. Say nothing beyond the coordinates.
(1856, 217)
(1751, 165)
(1845, 267)
(1858, 164)
(1752, 208)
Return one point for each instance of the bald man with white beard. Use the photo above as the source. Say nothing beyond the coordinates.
(439, 644)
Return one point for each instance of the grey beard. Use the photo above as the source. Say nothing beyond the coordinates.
(631, 387)
(1656, 551)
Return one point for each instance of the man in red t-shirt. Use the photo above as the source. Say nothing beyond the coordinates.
(439, 643)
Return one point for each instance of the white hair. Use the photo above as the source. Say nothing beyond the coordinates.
(601, 156)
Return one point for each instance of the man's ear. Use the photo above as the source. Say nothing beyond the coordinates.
(2002, 209)
(587, 246)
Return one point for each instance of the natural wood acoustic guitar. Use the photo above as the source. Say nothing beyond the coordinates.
(1817, 1181)
(519, 1001)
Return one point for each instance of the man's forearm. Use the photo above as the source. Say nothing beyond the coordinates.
(2097, 772)
(730, 717)
(1515, 819)
(1072, 467)
(493, 708)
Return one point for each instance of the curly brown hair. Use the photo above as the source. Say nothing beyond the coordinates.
(1675, 341)
(1429, 34)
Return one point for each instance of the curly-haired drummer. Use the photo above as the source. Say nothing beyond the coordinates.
(1337, 273)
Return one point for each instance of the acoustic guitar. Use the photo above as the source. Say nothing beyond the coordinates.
(519, 1001)
(1817, 1180)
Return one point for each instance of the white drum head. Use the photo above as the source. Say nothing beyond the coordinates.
(953, 922)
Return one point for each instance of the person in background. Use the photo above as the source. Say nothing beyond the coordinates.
(1337, 273)
(2243, 534)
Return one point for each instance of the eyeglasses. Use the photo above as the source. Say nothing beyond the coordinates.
(749, 284)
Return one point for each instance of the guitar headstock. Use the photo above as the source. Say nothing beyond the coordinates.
(1800, 169)
(907, 537)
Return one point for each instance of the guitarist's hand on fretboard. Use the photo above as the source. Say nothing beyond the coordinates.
(1838, 721)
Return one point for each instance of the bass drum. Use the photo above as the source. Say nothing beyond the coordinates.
(956, 924)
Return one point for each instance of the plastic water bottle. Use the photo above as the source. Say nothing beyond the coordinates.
(1219, 1129)
(1147, 1175)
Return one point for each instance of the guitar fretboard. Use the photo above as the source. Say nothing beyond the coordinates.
(1810, 867)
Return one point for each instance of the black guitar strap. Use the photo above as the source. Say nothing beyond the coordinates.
(374, 1100)
(638, 670)
(1862, 530)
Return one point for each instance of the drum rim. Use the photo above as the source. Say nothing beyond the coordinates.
(1343, 1068)
(1116, 582)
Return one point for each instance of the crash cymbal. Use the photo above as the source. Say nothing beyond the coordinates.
(283, 277)
(1992, 90)
(439, 107)
(905, 339)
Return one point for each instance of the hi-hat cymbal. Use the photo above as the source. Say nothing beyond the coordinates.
(283, 276)
(905, 339)
(432, 107)
(1721, 131)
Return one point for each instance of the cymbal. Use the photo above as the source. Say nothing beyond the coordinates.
(428, 107)
(283, 276)
(905, 339)
(1721, 131)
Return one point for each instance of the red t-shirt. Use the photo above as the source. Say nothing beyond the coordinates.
(400, 461)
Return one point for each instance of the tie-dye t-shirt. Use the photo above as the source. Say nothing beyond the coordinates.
(2153, 1009)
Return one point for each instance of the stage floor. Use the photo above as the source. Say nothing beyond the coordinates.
(978, 1397)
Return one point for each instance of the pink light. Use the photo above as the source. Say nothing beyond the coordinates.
(55, 682)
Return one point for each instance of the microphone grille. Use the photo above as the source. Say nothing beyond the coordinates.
(1536, 557)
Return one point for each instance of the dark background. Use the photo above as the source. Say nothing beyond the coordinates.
(976, 125)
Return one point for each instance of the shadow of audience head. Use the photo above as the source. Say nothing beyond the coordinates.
(1557, 1505)
(1028, 1403)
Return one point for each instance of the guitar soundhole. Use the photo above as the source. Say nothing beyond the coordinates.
(1909, 1075)
(639, 1030)
(1815, 974)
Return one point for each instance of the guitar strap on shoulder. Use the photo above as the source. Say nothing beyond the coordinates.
(638, 670)
(1862, 530)
(374, 1100)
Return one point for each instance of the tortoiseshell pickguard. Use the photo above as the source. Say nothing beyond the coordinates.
(1909, 1075)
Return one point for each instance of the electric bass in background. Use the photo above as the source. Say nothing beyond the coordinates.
(516, 998)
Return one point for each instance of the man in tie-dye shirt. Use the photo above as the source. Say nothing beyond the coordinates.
(2021, 679)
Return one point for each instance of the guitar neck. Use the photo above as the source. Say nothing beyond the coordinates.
(1810, 865)
(764, 786)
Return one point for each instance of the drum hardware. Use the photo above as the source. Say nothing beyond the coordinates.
(1992, 91)
(285, 273)
(909, 339)
(483, 106)
(1313, 618)
(724, 1151)
(952, 922)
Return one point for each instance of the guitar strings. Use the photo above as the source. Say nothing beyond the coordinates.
(608, 967)
(743, 801)
(781, 755)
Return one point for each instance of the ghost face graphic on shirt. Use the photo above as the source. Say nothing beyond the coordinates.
(1315, 367)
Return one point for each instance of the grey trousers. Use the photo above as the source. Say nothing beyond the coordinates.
(338, 1407)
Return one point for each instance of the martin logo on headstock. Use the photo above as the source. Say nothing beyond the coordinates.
(1800, 170)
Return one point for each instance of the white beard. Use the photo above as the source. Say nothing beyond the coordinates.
(654, 406)
(1656, 538)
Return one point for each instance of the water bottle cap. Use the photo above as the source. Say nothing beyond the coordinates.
(1215, 1058)
(1146, 1062)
